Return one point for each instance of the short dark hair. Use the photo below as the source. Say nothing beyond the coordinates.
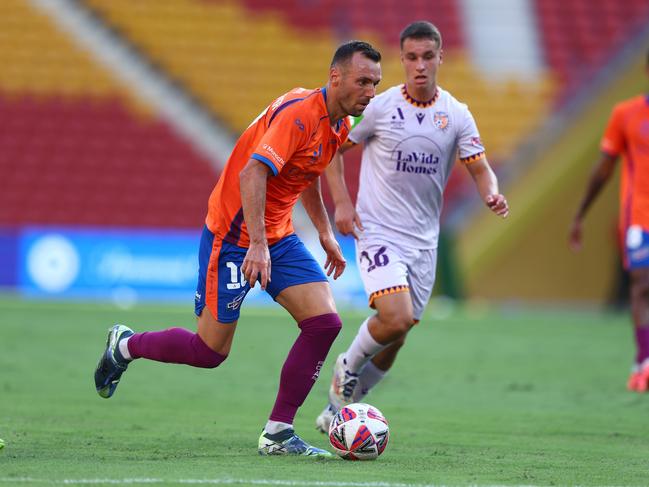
(421, 29)
(345, 52)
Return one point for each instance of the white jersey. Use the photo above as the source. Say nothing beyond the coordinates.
(410, 149)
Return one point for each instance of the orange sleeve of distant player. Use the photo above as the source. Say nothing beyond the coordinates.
(287, 131)
(613, 141)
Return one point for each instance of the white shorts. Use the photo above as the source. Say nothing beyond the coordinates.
(387, 268)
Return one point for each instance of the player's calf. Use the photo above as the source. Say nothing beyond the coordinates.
(175, 346)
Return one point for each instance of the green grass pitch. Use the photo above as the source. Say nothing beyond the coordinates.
(480, 398)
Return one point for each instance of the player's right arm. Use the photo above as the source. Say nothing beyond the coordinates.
(287, 130)
(613, 144)
(345, 215)
(253, 181)
(602, 172)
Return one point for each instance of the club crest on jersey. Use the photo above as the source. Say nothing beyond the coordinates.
(440, 120)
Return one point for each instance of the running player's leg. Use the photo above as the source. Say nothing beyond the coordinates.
(636, 260)
(421, 279)
(639, 380)
(385, 274)
(399, 290)
(300, 286)
(215, 297)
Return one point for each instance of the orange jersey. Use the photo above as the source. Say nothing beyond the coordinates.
(627, 134)
(294, 138)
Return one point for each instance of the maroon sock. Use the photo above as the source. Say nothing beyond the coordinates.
(303, 364)
(175, 346)
(642, 342)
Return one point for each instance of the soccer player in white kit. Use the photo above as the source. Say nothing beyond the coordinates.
(412, 135)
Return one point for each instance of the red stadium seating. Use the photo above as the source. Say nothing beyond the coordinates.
(384, 18)
(580, 36)
(90, 161)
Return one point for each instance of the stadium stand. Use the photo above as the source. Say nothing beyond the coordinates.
(235, 56)
(76, 147)
(79, 148)
(276, 44)
(579, 36)
(346, 18)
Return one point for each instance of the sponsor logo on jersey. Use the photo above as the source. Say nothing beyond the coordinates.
(279, 159)
(420, 117)
(398, 120)
(440, 120)
(475, 141)
(299, 124)
(416, 162)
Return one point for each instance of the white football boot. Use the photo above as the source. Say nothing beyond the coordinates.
(345, 389)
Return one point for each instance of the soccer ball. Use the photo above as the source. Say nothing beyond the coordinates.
(359, 432)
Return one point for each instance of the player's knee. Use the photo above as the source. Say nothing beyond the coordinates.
(213, 361)
(399, 322)
(640, 285)
(328, 325)
(398, 343)
(204, 356)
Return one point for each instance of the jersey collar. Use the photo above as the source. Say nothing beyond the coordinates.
(419, 103)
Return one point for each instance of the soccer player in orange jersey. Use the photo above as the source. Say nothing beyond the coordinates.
(627, 135)
(249, 238)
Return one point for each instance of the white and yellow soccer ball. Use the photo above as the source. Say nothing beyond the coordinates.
(359, 432)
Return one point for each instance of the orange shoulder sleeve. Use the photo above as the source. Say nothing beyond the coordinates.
(614, 142)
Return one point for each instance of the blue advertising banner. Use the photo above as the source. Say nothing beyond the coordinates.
(8, 257)
(126, 265)
(100, 262)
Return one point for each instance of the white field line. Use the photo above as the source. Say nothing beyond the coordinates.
(223, 481)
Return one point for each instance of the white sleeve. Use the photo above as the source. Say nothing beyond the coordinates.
(469, 143)
(363, 125)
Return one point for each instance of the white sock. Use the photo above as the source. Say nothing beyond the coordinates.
(369, 377)
(274, 427)
(123, 348)
(363, 348)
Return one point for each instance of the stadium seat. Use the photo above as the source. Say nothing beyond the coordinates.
(76, 147)
(580, 35)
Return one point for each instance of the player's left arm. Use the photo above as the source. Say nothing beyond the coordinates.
(472, 154)
(314, 206)
(487, 184)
